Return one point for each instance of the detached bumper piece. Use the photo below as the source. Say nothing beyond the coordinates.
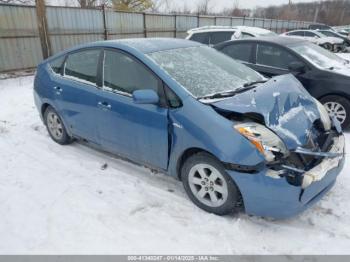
(331, 160)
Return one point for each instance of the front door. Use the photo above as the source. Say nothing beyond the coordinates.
(137, 131)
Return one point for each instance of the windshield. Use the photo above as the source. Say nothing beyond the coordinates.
(203, 70)
(319, 56)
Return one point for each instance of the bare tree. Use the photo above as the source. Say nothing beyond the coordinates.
(132, 5)
(203, 7)
(23, 2)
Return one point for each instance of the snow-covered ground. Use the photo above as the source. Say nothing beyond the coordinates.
(57, 200)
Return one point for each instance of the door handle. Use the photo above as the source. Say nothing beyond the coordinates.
(58, 90)
(104, 105)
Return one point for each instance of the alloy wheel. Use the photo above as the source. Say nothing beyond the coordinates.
(208, 185)
(54, 125)
(336, 110)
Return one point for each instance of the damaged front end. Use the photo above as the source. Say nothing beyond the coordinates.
(303, 148)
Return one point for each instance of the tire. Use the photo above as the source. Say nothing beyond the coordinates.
(198, 177)
(55, 127)
(335, 106)
(328, 46)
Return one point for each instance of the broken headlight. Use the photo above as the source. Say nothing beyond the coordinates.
(265, 141)
(325, 119)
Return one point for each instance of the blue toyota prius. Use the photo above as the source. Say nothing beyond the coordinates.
(234, 138)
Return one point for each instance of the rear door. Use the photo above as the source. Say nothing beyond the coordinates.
(137, 131)
(76, 92)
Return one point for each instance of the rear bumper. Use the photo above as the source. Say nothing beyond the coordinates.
(267, 196)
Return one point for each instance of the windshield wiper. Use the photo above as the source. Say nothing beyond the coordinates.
(245, 87)
(254, 83)
(219, 95)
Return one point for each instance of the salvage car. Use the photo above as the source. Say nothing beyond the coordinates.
(346, 40)
(234, 138)
(334, 44)
(325, 75)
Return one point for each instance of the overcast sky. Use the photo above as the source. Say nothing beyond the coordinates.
(218, 5)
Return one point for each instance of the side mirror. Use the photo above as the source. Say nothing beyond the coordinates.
(145, 96)
(297, 67)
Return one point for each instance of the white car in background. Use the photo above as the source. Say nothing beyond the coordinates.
(212, 35)
(333, 44)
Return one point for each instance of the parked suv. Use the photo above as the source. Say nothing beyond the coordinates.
(234, 138)
(325, 75)
(320, 27)
(211, 35)
(334, 44)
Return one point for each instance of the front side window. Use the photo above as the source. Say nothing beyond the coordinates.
(240, 52)
(274, 56)
(82, 65)
(122, 73)
(218, 37)
(202, 38)
(203, 70)
(57, 65)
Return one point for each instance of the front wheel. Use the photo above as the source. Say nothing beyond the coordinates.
(338, 107)
(328, 46)
(208, 185)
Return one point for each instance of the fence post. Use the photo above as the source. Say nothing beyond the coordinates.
(144, 25)
(104, 22)
(42, 27)
(175, 27)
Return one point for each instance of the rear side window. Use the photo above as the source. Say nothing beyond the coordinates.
(297, 33)
(83, 65)
(274, 56)
(123, 73)
(218, 37)
(240, 52)
(57, 65)
(201, 38)
(311, 34)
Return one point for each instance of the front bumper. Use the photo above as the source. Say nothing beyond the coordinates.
(268, 196)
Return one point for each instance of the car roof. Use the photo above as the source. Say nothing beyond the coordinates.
(142, 45)
(280, 40)
(248, 29)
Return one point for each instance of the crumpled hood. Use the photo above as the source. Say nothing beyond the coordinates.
(288, 109)
(330, 39)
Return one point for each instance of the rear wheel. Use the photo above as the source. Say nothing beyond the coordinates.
(208, 185)
(338, 107)
(55, 127)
